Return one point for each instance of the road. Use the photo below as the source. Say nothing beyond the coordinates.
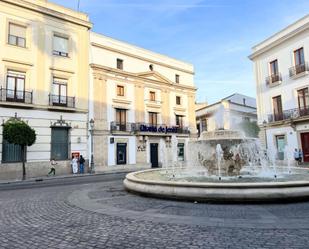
(96, 212)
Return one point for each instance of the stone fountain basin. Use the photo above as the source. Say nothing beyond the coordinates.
(263, 191)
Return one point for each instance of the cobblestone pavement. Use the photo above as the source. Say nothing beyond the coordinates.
(104, 215)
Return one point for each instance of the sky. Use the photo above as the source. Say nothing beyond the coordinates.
(216, 36)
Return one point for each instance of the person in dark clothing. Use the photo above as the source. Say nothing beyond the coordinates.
(81, 164)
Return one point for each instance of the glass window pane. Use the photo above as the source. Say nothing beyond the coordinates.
(63, 90)
(11, 83)
(12, 40)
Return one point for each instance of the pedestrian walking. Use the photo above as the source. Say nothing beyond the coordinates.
(74, 164)
(52, 167)
(300, 156)
(81, 164)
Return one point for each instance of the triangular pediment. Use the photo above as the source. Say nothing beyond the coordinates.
(153, 75)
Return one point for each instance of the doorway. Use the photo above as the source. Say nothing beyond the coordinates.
(154, 155)
(305, 145)
(121, 153)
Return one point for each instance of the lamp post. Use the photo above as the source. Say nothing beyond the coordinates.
(264, 126)
(91, 128)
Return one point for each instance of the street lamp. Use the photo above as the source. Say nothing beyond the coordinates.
(91, 128)
(264, 126)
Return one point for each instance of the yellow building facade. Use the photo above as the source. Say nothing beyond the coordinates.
(44, 74)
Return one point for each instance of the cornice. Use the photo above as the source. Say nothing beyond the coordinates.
(99, 69)
(278, 41)
(141, 58)
(49, 12)
(18, 62)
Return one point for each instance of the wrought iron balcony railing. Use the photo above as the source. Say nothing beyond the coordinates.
(126, 127)
(13, 95)
(289, 114)
(64, 101)
(297, 69)
(274, 78)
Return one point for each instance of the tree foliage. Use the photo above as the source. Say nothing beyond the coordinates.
(250, 128)
(16, 131)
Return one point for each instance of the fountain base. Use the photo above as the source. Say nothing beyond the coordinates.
(264, 191)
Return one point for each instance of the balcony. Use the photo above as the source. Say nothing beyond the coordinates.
(299, 69)
(274, 79)
(15, 96)
(61, 101)
(295, 113)
(122, 127)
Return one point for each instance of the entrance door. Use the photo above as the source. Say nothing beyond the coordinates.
(121, 153)
(280, 140)
(154, 155)
(305, 145)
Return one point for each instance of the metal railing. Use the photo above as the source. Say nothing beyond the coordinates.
(153, 101)
(273, 78)
(126, 127)
(58, 100)
(13, 95)
(297, 69)
(289, 114)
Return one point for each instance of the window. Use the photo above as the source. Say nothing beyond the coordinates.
(280, 143)
(120, 90)
(299, 57)
(153, 118)
(11, 152)
(274, 67)
(59, 92)
(121, 119)
(181, 151)
(120, 64)
(204, 124)
(179, 120)
(178, 100)
(177, 78)
(151, 67)
(244, 101)
(246, 119)
(17, 35)
(152, 96)
(303, 101)
(61, 46)
(277, 105)
(15, 86)
(60, 143)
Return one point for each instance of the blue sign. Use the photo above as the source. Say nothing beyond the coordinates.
(161, 129)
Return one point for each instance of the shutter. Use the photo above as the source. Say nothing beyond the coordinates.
(11, 152)
(60, 144)
(17, 30)
(60, 44)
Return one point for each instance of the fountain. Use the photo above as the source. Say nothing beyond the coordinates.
(224, 166)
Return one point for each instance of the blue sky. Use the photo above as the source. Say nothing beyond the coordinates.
(216, 36)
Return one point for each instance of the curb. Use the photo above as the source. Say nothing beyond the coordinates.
(62, 177)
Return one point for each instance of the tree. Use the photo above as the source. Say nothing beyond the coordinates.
(250, 128)
(16, 131)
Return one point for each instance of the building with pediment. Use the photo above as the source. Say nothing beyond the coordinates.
(142, 104)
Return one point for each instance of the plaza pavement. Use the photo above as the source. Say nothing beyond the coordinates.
(98, 213)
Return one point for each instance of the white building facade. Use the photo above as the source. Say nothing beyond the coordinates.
(282, 80)
(142, 104)
(228, 113)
